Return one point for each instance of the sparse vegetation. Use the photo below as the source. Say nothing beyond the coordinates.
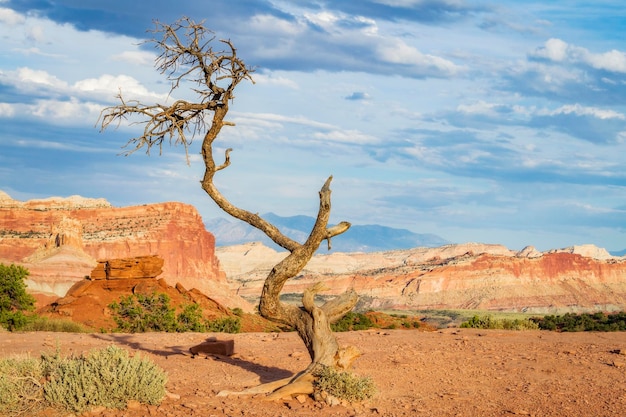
(599, 322)
(352, 321)
(343, 385)
(140, 313)
(14, 300)
(488, 322)
(107, 377)
(21, 391)
(37, 323)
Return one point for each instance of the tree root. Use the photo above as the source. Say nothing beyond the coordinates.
(300, 384)
(276, 390)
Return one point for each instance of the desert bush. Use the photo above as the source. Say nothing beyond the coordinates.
(225, 325)
(344, 385)
(488, 322)
(191, 320)
(352, 321)
(139, 313)
(569, 322)
(46, 324)
(14, 300)
(107, 377)
(21, 390)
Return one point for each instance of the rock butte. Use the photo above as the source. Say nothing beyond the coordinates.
(60, 241)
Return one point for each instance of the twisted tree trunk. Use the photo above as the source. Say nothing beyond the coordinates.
(187, 56)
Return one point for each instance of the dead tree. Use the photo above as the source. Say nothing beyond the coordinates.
(187, 56)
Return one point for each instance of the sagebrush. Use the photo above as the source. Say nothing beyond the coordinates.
(108, 377)
(344, 385)
(21, 390)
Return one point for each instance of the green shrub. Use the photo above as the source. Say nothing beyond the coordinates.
(191, 320)
(352, 321)
(46, 324)
(139, 313)
(225, 325)
(344, 385)
(152, 313)
(21, 391)
(569, 322)
(14, 299)
(106, 377)
(488, 322)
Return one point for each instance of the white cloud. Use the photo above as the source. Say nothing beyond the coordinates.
(557, 50)
(271, 79)
(72, 111)
(7, 110)
(135, 57)
(10, 17)
(579, 110)
(272, 25)
(554, 50)
(36, 34)
(28, 76)
(396, 51)
(346, 136)
(479, 107)
(110, 85)
(613, 60)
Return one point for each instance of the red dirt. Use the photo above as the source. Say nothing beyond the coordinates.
(453, 372)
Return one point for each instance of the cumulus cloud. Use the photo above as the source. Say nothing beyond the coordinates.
(10, 17)
(557, 50)
(135, 57)
(108, 86)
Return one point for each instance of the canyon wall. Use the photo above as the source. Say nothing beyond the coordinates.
(60, 241)
(465, 276)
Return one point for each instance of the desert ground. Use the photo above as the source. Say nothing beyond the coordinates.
(450, 372)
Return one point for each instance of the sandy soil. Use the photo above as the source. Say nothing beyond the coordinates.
(450, 372)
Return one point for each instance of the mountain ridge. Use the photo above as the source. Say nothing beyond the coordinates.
(359, 238)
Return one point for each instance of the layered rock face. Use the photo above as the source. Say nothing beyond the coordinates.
(60, 241)
(467, 276)
(87, 300)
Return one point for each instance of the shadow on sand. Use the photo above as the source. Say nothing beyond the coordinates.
(265, 373)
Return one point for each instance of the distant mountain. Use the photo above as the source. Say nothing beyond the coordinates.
(359, 238)
(618, 252)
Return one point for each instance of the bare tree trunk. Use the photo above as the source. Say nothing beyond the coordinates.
(187, 56)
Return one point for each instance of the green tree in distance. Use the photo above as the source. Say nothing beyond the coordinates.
(14, 299)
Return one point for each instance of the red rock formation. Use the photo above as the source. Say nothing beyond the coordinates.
(87, 300)
(59, 241)
(469, 276)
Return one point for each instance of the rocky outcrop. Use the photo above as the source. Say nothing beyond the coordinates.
(60, 241)
(466, 276)
(129, 268)
(87, 300)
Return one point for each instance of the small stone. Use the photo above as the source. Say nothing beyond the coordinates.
(172, 396)
(301, 398)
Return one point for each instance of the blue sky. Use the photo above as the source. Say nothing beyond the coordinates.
(479, 121)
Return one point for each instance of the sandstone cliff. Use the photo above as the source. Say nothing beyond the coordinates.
(466, 276)
(60, 241)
